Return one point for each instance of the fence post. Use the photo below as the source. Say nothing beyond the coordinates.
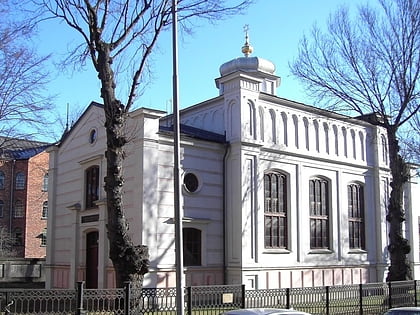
(389, 295)
(189, 300)
(360, 298)
(127, 297)
(288, 298)
(415, 293)
(327, 292)
(79, 310)
(243, 295)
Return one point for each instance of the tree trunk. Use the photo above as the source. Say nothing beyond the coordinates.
(398, 246)
(130, 261)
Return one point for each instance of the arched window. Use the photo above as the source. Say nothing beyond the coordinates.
(2, 178)
(20, 180)
(319, 213)
(44, 210)
(1, 208)
(18, 236)
(18, 210)
(356, 208)
(45, 183)
(191, 246)
(275, 210)
(91, 186)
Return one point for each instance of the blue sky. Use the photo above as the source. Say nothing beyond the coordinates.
(275, 28)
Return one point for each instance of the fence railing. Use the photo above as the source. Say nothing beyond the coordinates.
(371, 298)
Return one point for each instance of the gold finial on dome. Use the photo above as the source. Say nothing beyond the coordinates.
(247, 48)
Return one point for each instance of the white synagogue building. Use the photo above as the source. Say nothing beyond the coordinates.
(275, 193)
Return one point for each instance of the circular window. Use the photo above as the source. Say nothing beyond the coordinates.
(191, 182)
(92, 136)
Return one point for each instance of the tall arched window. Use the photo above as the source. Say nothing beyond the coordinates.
(319, 213)
(2, 178)
(44, 210)
(275, 210)
(92, 186)
(20, 180)
(192, 246)
(18, 210)
(356, 208)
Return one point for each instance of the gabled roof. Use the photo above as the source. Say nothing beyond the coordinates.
(20, 149)
(68, 131)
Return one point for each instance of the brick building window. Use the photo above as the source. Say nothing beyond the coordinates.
(192, 246)
(18, 236)
(20, 180)
(2, 178)
(356, 210)
(44, 238)
(45, 183)
(92, 186)
(1, 208)
(18, 209)
(275, 210)
(44, 214)
(319, 213)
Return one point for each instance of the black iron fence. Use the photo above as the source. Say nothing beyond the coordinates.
(372, 298)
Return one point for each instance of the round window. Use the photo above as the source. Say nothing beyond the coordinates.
(92, 136)
(191, 182)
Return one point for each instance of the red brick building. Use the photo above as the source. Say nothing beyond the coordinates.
(24, 197)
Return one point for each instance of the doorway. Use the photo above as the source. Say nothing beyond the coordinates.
(92, 239)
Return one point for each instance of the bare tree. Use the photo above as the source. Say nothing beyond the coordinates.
(410, 141)
(7, 243)
(371, 64)
(22, 75)
(118, 38)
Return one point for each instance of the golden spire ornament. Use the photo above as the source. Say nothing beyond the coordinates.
(247, 48)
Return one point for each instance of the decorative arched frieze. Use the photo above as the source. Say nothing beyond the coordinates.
(296, 130)
(344, 134)
(306, 125)
(273, 133)
(316, 129)
(285, 133)
(326, 138)
(261, 123)
(336, 146)
(362, 146)
(353, 143)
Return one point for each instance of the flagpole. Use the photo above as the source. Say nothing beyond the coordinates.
(177, 187)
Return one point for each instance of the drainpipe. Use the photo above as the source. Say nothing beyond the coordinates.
(227, 151)
(12, 176)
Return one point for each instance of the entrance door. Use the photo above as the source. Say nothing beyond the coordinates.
(92, 260)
